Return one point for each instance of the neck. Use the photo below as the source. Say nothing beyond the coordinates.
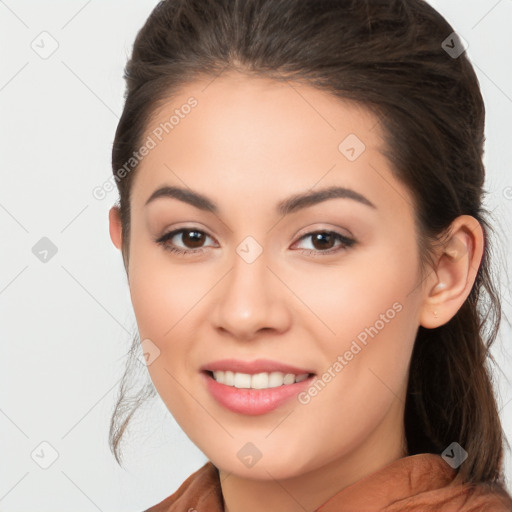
(308, 491)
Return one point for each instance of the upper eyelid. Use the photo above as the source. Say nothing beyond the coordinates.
(172, 233)
(177, 231)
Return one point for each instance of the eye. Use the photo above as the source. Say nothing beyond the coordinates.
(323, 241)
(193, 239)
(189, 236)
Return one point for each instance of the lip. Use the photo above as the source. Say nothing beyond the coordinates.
(252, 402)
(252, 367)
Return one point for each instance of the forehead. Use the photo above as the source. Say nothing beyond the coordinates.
(256, 110)
(250, 136)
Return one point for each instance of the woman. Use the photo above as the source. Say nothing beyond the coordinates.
(301, 223)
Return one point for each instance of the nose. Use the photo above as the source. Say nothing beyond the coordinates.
(251, 299)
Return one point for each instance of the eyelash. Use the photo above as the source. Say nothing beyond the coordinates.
(345, 244)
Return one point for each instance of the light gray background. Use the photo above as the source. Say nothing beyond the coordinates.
(65, 324)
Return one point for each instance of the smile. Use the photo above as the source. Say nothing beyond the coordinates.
(262, 380)
(275, 390)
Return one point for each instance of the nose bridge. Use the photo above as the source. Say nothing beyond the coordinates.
(250, 299)
(248, 281)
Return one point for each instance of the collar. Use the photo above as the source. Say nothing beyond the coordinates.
(421, 482)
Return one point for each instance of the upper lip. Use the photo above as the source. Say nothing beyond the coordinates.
(252, 367)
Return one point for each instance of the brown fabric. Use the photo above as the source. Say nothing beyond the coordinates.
(417, 483)
(200, 491)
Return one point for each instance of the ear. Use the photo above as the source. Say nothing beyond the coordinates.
(115, 228)
(454, 273)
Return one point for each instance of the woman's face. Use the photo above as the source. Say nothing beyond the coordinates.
(328, 285)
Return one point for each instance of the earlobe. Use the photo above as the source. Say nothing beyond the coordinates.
(115, 227)
(455, 272)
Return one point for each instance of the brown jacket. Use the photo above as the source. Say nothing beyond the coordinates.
(417, 483)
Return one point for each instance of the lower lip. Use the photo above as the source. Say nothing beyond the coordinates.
(253, 401)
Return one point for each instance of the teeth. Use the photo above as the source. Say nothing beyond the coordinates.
(229, 378)
(258, 380)
(242, 380)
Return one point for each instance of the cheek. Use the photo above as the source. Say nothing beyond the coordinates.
(162, 293)
(153, 302)
(371, 314)
(161, 298)
(354, 294)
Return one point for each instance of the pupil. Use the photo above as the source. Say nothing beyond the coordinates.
(195, 239)
(318, 238)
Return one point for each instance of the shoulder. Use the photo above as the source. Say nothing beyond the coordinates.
(481, 497)
(201, 491)
(457, 496)
(418, 483)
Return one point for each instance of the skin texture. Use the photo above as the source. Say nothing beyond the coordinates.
(248, 144)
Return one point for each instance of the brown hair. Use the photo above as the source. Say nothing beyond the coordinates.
(388, 56)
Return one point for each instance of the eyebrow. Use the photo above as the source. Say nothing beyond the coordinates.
(284, 207)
